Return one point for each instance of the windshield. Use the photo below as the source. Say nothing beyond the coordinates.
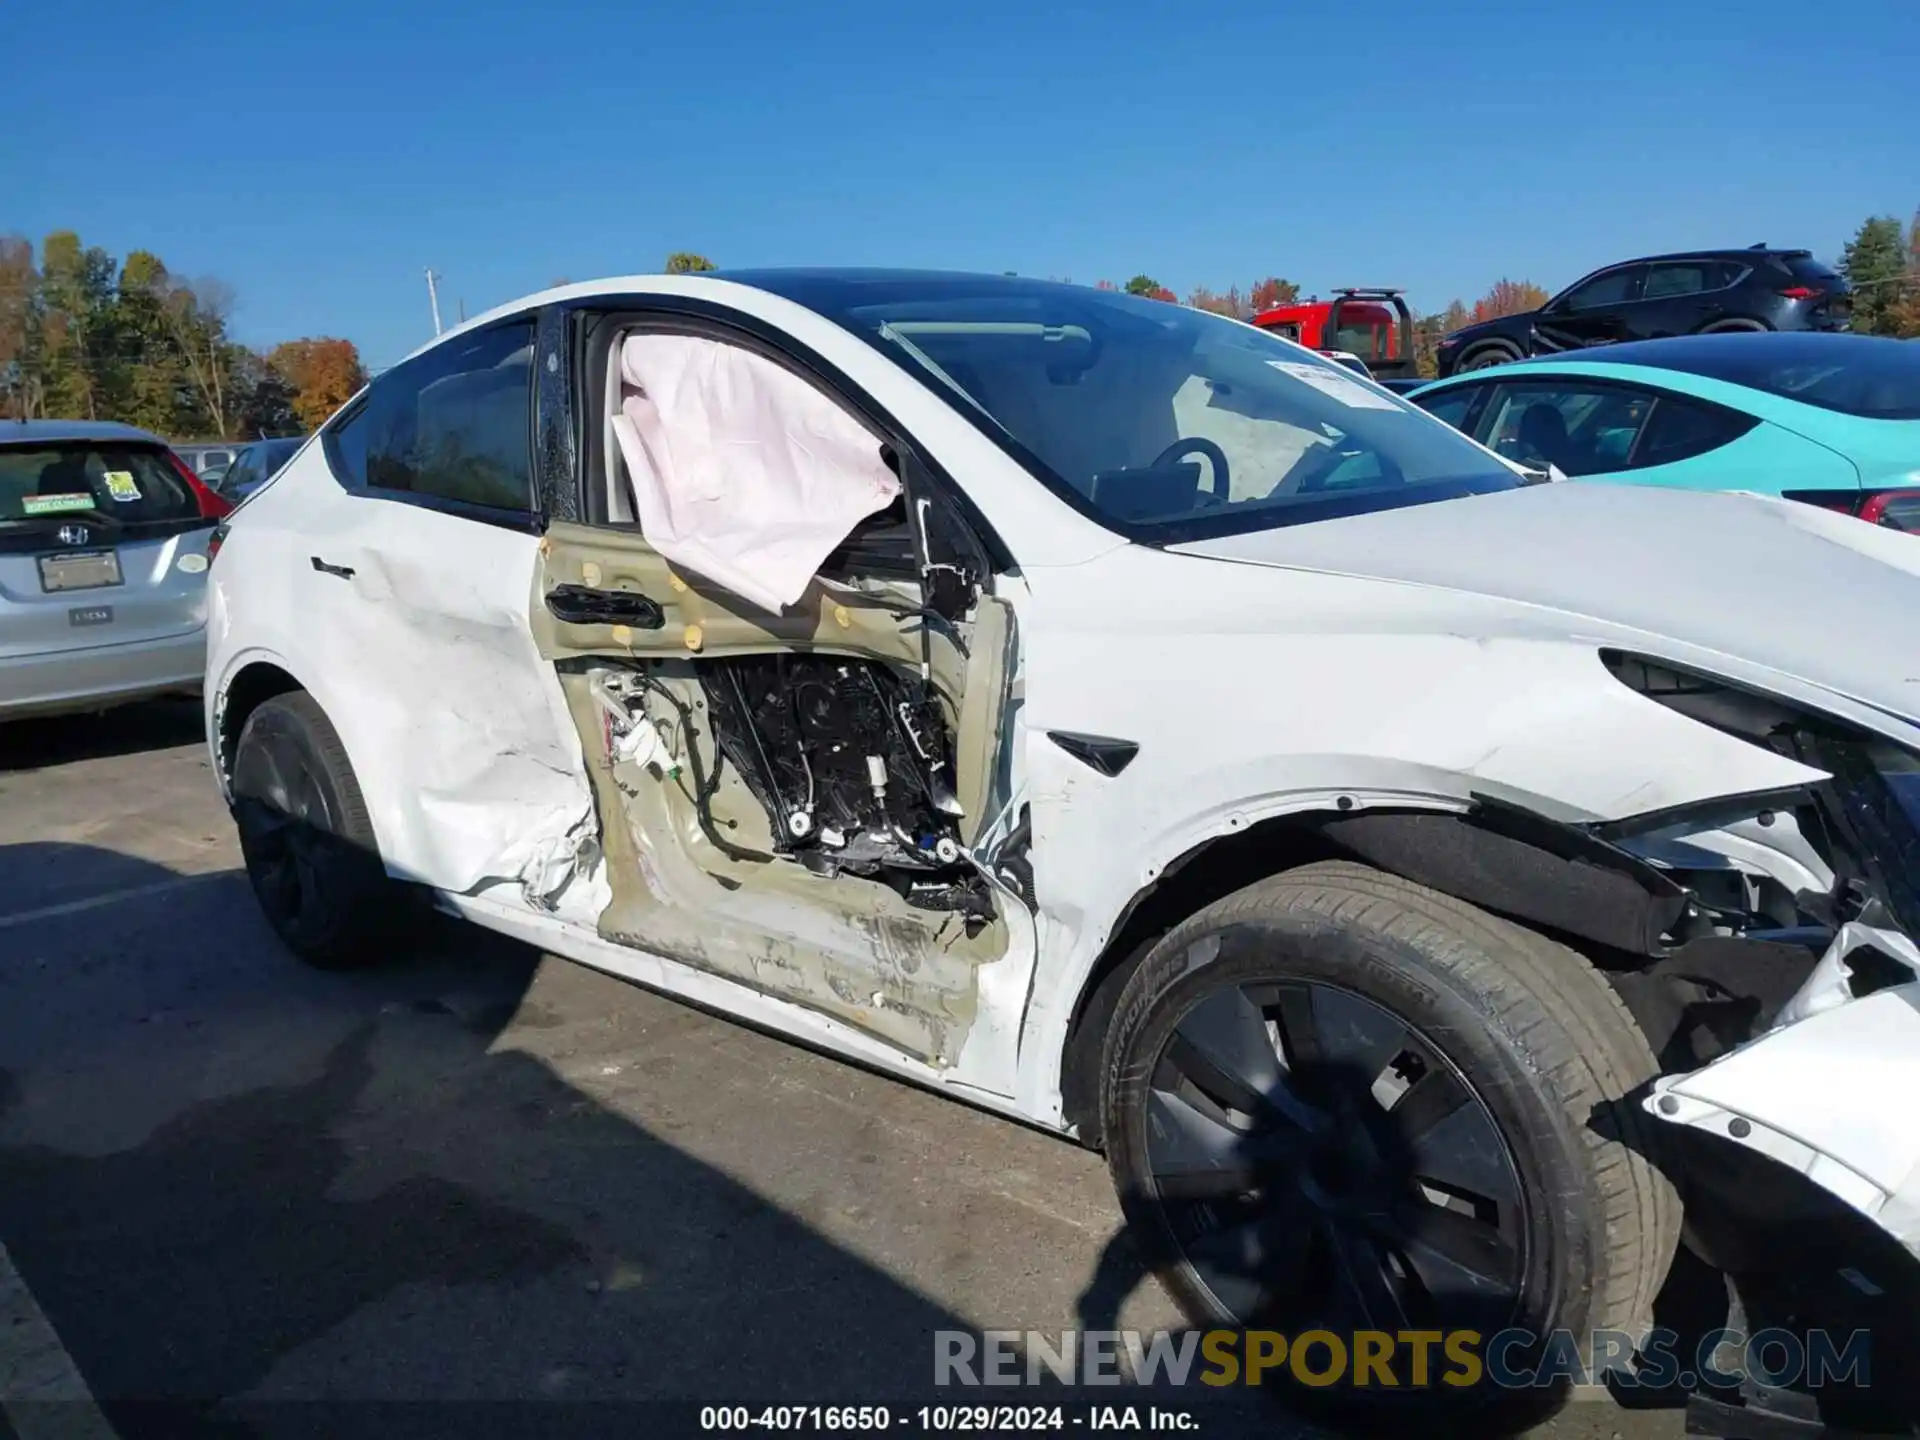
(276, 453)
(1164, 423)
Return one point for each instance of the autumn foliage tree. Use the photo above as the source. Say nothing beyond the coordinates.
(323, 373)
(1508, 297)
(1271, 292)
(1904, 314)
(685, 262)
(1232, 303)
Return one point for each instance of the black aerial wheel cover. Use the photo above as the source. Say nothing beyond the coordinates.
(1552, 1219)
(307, 840)
(1388, 1197)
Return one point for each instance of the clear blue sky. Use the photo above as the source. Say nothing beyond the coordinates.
(319, 157)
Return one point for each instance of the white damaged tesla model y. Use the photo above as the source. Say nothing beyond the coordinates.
(1121, 718)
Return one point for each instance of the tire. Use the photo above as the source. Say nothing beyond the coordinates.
(1523, 1128)
(1485, 357)
(308, 841)
(1733, 327)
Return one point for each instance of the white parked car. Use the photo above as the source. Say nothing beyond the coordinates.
(1116, 717)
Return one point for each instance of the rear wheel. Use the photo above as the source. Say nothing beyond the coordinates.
(1733, 327)
(308, 841)
(1482, 357)
(1339, 1101)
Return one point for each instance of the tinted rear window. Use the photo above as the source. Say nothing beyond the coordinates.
(126, 484)
(1805, 267)
(1862, 375)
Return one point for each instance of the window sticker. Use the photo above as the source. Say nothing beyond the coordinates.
(54, 504)
(121, 486)
(1342, 387)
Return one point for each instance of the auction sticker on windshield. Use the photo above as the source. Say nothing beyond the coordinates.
(1342, 387)
(54, 504)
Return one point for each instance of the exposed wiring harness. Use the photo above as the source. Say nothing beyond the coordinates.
(705, 785)
(906, 610)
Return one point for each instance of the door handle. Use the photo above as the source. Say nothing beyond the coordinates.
(345, 572)
(581, 605)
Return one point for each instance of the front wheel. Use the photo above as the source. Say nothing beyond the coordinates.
(1339, 1101)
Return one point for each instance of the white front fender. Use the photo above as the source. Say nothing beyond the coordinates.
(1373, 697)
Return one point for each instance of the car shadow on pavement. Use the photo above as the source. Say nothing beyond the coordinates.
(257, 1199)
(38, 743)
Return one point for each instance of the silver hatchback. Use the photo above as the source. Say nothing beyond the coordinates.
(104, 537)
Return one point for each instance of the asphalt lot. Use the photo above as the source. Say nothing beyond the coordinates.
(473, 1174)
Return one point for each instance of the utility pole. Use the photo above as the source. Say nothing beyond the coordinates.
(433, 299)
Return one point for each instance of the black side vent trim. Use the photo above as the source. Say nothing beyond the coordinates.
(1098, 752)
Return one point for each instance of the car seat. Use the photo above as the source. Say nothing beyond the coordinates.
(64, 476)
(1543, 430)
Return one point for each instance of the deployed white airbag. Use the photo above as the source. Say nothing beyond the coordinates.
(742, 472)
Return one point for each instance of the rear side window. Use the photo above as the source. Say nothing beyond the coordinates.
(456, 424)
(123, 484)
(1680, 429)
(1581, 428)
(1805, 267)
(1680, 278)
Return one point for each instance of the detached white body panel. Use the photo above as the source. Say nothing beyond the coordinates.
(1829, 1092)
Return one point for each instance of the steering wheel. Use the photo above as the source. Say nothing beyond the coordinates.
(1315, 482)
(1199, 445)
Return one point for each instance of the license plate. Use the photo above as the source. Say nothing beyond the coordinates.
(88, 570)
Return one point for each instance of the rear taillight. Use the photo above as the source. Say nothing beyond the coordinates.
(1799, 292)
(1895, 509)
(215, 541)
(1842, 500)
(212, 504)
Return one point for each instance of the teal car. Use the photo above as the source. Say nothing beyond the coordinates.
(1833, 420)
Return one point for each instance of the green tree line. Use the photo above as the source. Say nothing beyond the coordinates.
(1882, 265)
(84, 337)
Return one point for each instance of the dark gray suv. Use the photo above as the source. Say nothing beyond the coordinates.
(1699, 292)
